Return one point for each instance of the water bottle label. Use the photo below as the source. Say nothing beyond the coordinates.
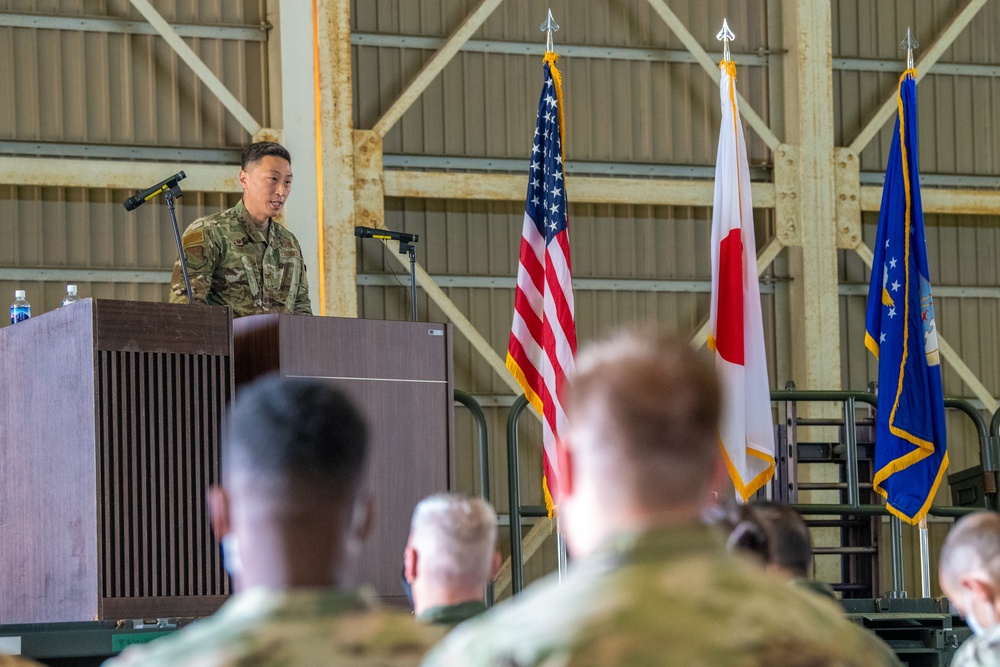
(19, 314)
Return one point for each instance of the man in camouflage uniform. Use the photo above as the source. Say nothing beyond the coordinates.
(292, 512)
(969, 573)
(450, 557)
(651, 584)
(241, 257)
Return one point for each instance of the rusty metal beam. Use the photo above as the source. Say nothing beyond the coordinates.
(941, 200)
(680, 30)
(947, 351)
(198, 66)
(335, 169)
(923, 65)
(434, 66)
(584, 189)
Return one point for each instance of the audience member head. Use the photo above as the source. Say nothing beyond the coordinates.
(293, 505)
(969, 570)
(744, 534)
(451, 554)
(642, 447)
(789, 549)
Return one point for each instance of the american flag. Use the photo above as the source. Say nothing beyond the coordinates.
(542, 343)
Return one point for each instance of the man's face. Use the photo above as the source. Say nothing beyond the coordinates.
(266, 184)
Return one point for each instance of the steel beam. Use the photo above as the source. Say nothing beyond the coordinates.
(583, 189)
(815, 311)
(293, 84)
(680, 30)
(434, 66)
(942, 200)
(923, 65)
(254, 33)
(336, 168)
(948, 352)
(115, 175)
(198, 66)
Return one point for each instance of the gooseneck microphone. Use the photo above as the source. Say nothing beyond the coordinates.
(385, 235)
(141, 198)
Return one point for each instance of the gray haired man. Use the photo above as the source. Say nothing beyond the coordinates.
(450, 557)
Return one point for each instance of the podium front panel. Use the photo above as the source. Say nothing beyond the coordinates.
(400, 376)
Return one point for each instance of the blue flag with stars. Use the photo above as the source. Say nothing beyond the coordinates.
(910, 442)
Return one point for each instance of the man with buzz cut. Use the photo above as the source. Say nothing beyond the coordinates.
(969, 574)
(650, 583)
(292, 511)
(241, 257)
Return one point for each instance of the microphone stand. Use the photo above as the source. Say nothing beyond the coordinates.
(411, 251)
(171, 194)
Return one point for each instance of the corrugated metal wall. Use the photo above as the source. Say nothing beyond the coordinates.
(119, 89)
(617, 111)
(107, 86)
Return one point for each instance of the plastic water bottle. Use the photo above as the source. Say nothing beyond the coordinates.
(71, 296)
(19, 310)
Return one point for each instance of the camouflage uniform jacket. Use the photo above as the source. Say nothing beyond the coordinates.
(452, 614)
(232, 263)
(15, 661)
(265, 628)
(979, 650)
(663, 597)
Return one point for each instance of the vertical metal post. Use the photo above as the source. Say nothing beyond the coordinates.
(896, 545)
(514, 496)
(561, 554)
(925, 561)
(334, 126)
(851, 442)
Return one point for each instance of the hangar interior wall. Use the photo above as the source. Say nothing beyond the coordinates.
(104, 86)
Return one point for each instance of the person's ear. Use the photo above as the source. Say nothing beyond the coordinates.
(243, 179)
(497, 561)
(218, 510)
(363, 518)
(410, 562)
(565, 461)
(716, 481)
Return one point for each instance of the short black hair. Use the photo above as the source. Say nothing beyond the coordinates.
(257, 151)
(789, 541)
(295, 433)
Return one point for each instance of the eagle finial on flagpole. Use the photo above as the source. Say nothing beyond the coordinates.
(725, 36)
(548, 26)
(909, 44)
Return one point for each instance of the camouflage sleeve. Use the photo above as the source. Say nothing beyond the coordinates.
(302, 304)
(202, 255)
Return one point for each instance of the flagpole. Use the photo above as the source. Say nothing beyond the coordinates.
(549, 26)
(909, 43)
(925, 557)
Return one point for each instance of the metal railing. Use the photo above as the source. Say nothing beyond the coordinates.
(989, 455)
(483, 450)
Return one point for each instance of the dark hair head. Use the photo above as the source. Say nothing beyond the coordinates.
(652, 404)
(789, 542)
(289, 434)
(744, 534)
(256, 152)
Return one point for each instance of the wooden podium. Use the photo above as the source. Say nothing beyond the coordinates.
(400, 376)
(110, 422)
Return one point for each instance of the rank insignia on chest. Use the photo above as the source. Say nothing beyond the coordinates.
(240, 241)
